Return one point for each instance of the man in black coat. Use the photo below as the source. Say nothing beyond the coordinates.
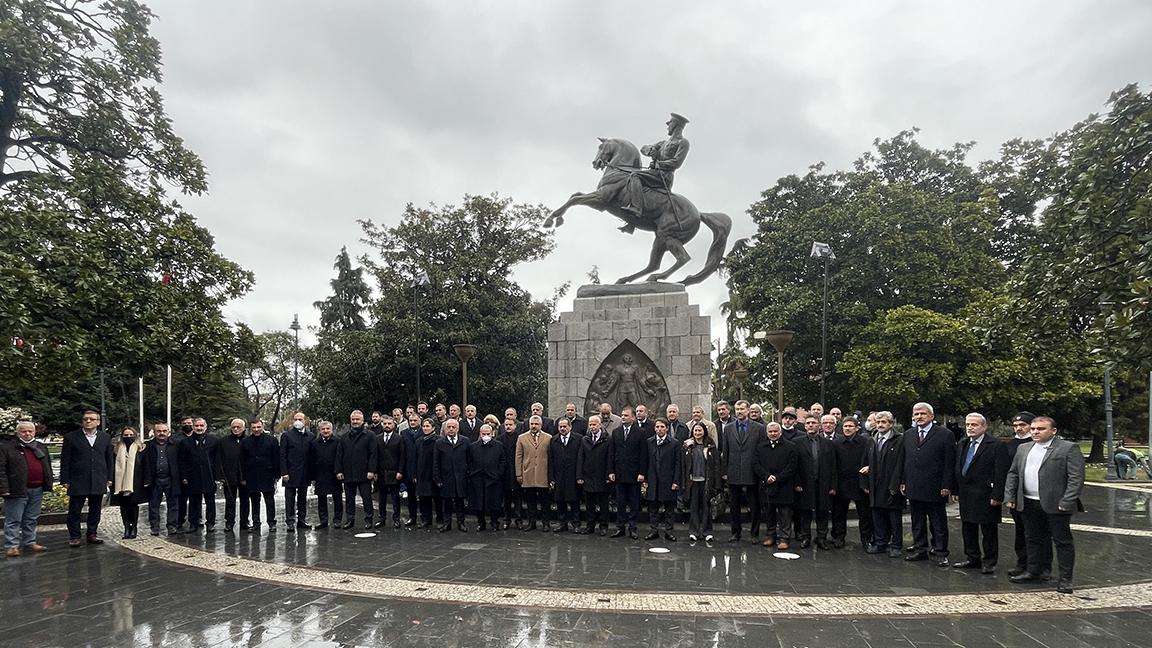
(1021, 434)
(663, 477)
(391, 466)
(179, 436)
(411, 437)
(677, 429)
(197, 480)
(788, 429)
(323, 472)
(739, 438)
(593, 477)
(261, 472)
(162, 478)
(450, 471)
(470, 423)
(579, 423)
(565, 463)
(816, 485)
(513, 493)
(86, 463)
(629, 464)
(852, 449)
(928, 481)
(230, 469)
(775, 464)
(356, 468)
(295, 461)
(547, 424)
(885, 464)
(723, 418)
(982, 464)
(647, 424)
(487, 473)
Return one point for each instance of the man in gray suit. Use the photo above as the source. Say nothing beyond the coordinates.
(739, 440)
(1044, 484)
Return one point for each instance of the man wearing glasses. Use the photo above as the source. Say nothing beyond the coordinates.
(86, 471)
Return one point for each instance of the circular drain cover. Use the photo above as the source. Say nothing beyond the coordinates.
(786, 555)
(365, 535)
(660, 550)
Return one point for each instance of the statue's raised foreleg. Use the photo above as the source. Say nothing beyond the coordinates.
(659, 247)
(593, 200)
(677, 249)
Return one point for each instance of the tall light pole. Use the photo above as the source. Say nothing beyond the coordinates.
(1110, 464)
(465, 353)
(779, 341)
(739, 373)
(823, 251)
(420, 280)
(295, 326)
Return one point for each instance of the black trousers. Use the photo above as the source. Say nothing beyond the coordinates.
(802, 523)
(1020, 543)
(337, 507)
(699, 510)
(1043, 531)
(514, 504)
(778, 521)
(364, 488)
(627, 504)
(738, 496)
(568, 511)
(453, 505)
(661, 514)
(428, 504)
(413, 501)
(75, 506)
(269, 507)
(231, 494)
(129, 515)
(840, 518)
(888, 527)
(201, 509)
(596, 509)
(295, 505)
(389, 492)
(927, 515)
(537, 503)
(972, 533)
(182, 508)
(164, 489)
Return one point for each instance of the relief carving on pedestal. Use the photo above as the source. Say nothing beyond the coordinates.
(627, 378)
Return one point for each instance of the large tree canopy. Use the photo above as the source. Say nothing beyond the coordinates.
(344, 309)
(100, 268)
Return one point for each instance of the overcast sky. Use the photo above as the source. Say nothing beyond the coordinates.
(310, 115)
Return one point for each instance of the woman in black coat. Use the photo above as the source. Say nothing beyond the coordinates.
(700, 479)
(426, 488)
(128, 479)
(488, 471)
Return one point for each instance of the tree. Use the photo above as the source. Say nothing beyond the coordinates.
(467, 254)
(908, 226)
(98, 266)
(345, 308)
(266, 364)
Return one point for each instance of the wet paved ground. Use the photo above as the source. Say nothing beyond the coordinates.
(113, 596)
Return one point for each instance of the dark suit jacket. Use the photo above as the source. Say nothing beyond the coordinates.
(597, 463)
(648, 426)
(984, 481)
(151, 456)
(565, 464)
(579, 424)
(197, 457)
(261, 462)
(738, 452)
(818, 474)
(1061, 478)
(450, 466)
(471, 431)
(629, 457)
(678, 430)
(296, 456)
(885, 467)
(356, 456)
(663, 469)
(781, 461)
(324, 465)
(391, 458)
(851, 456)
(229, 459)
(929, 466)
(86, 469)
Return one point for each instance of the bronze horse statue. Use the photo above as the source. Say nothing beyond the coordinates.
(673, 218)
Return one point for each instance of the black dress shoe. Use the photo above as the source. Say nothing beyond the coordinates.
(875, 549)
(506, 525)
(943, 562)
(805, 543)
(348, 525)
(92, 539)
(632, 534)
(838, 544)
(445, 528)
(560, 528)
(462, 526)
(822, 544)
(381, 524)
(1064, 586)
(410, 524)
(396, 524)
(916, 556)
(482, 526)
(322, 525)
(967, 564)
(652, 535)
(155, 532)
(290, 529)
(988, 569)
(211, 528)
(669, 537)
(618, 533)
(1016, 571)
(603, 531)
(735, 537)
(1026, 577)
(895, 552)
(368, 525)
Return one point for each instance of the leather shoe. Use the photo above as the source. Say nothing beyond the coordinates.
(92, 539)
(966, 564)
(445, 528)
(652, 535)
(895, 552)
(874, 549)
(1064, 586)
(633, 534)
(783, 546)
(322, 525)
(943, 562)
(805, 543)
(367, 525)
(603, 531)
(380, 524)
(1016, 571)
(822, 544)
(669, 536)
(769, 542)
(74, 542)
(988, 569)
(916, 556)
(12, 552)
(348, 525)
(618, 533)
(1026, 577)
(734, 538)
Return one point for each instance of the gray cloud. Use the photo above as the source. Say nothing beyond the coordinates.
(311, 115)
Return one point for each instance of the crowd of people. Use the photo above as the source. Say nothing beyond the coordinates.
(421, 469)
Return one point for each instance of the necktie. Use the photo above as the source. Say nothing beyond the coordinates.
(968, 458)
(453, 440)
(564, 440)
(880, 446)
(923, 433)
(740, 427)
(596, 438)
(626, 430)
(387, 437)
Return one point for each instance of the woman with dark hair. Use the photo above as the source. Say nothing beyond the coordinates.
(128, 478)
(700, 470)
(426, 488)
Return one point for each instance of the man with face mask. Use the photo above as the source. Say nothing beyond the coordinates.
(295, 461)
(487, 472)
(411, 437)
(185, 432)
(197, 479)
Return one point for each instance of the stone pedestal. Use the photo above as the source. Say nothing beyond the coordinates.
(604, 323)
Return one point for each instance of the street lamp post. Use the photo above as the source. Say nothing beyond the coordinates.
(823, 251)
(740, 373)
(420, 280)
(779, 341)
(1110, 464)
(465, 353)
(295, 327)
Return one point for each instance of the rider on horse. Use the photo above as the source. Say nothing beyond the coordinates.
(667, 156)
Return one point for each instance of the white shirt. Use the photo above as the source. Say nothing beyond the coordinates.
(91, 439)
(1032, 470)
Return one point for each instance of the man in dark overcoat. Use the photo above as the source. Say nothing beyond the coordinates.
(197, 480)
(629, 464)
(852, 450)
(162, 478)
(513, 493)
(982, 463)
(356, 468)
(230, 470)
(663, 479)
(593, 476)
(323, 472)
(928, 481)
(487, 472)
(295, 459)
(426, 488)
(885, 464)
(391, 465)
(815, 485)
(450, 471)
(86, 464)
(411, 437)
(565, 459)
(775, 464)
(261, 472)
(738, 440)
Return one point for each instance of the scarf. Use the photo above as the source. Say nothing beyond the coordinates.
(125, 467)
